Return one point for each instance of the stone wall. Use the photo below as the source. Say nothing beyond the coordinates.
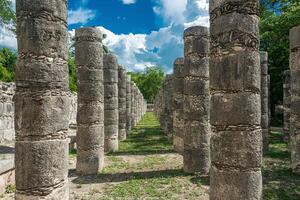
(7, 132)
(7, 91)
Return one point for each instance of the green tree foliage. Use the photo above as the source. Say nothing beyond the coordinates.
(7, 14)
(72, 74)
(277, 18)
(149, 81)
(7, 65)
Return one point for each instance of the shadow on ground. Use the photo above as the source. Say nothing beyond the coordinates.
(121, 177)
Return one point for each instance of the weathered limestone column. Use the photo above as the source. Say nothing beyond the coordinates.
(41, 101)
(286, 104)
(295, 98)
(128, 104)
(178, 114)
(111, 113)
(196, 156)
(90, 114)
(236, 143)
(169, 106)
(122, 103)
(264, 100)
(132, 104)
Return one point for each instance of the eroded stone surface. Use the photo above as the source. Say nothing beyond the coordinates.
(122, 103)
(295, 98)
(90, 115)
(41, 101)
(111, 103)
(235, 106)
(197, 133)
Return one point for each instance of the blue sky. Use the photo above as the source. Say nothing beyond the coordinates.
(141, 33)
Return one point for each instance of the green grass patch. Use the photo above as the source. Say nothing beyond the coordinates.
(279, 181)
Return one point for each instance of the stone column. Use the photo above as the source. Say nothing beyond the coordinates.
(264, 100)
(169, 106)
(132, 104)
(90, 112)
(178, 114)
(41, 101)
(111, 112)
(196, 154)
(236, 143)
(128, 103)
(122, 103)
(295, 98)
(286, 104)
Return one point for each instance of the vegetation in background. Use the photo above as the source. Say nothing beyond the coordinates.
(72, 74)
(7, 65)
(7, 14)
(277, 18)
(149, 81)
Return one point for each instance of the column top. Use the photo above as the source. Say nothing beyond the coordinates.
(88, 34)
(295, 38)
(196, 31)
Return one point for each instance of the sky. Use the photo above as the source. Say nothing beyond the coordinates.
(142, 33)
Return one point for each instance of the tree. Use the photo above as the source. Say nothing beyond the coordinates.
(7, 65)
(277, 18)
(7, 14)
(149, 82)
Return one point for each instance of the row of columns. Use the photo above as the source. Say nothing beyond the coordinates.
(291, 96)
(106, 109)
(109, 103)
(225, 97)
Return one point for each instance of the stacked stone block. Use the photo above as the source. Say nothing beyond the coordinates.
(236, 143)
(122, 103)
(264, 100)
(128, 104)
(286, 104)
(178, 99)
(196, 154)
(133, 104)
(169, 106)
(111, 113)
(90, 114)
(7, 129)
(295, 98)
(41, 100)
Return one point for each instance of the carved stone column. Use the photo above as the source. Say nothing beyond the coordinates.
(90, 114)
(42, 103)
(178, 114)
(196, 156)
(264, 100)
(295, 98)
(286, 104)
(235, 74)
(128, 104)
(111, 107)
(122, 103)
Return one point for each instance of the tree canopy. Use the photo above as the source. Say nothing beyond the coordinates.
(149, 81)
(7, 14)
(277, 18)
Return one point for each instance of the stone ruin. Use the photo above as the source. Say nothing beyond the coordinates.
(295, 98)
(215, 108)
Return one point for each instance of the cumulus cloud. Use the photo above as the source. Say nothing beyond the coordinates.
(7, 38)
(126, 2)
(80, 16)
(138, 51)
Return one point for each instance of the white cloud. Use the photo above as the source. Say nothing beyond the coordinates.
(7, 38)
(80, 16)
(172, 10)
(128, 1)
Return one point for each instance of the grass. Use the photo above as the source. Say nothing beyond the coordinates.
(278, 180)
(153, 176)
